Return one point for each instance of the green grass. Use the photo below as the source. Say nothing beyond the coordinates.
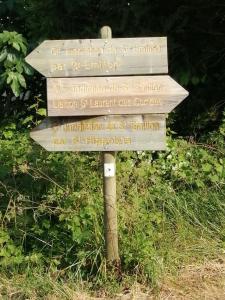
(170, 214)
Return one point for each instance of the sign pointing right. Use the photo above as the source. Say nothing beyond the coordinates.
(113, 95)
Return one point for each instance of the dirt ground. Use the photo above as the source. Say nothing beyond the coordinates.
(206, 282)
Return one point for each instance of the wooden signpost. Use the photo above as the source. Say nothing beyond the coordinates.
(103, 133)
(108, 113)
(96, 57)
(113, 95)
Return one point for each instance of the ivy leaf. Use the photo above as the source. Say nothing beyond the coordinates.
(27, 119)
(3, 55)
(16, 46)
(15, 87)
(11, 57)
(41, 111)
(23, 48)
(19, 67)
(9, 79)
(21, 80)
(28, 69)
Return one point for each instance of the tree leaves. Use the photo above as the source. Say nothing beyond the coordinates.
(21, 80)
(28, 69)
(13, 48)
(41, 112)
(3, 55)
(16, 81)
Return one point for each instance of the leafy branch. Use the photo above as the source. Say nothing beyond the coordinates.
(13, 68)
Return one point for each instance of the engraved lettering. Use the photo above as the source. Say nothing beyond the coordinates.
(55, 51)
(96, 65)
(96, 140)
(57, 67)
(79, 126)
(76, 65)
(59, 141)
(97, 126)
(145, 126)
(149, 48)
(88, 88)
(149, 87)
(144, 49)
(108, 103)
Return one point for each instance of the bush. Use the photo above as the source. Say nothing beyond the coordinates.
(52, 207)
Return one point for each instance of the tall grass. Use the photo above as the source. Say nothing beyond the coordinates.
(170, 213)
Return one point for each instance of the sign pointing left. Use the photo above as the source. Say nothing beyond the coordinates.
(102, 133)
(100, 57)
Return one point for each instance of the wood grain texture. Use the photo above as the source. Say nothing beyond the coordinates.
(109, 192)
(100, 57)
(102, 133)
(113, 95)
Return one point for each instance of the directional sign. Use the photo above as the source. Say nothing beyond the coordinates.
(113, 95)
(96, 57)
(103, 133)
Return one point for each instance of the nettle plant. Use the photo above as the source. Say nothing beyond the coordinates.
(13, 68)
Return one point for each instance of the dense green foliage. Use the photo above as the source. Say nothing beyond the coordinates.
(13, 64)
(52, 208)
(171, 204)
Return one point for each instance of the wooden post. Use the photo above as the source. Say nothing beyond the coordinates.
(109, 188)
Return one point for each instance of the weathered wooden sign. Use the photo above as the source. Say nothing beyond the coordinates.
(113, 95)
(103, 133)
(96, 57)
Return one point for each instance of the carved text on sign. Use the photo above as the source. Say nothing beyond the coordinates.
(94, 140)
(96, 57)
(88, 126)
(103, 133)
(109, 49)
(108, 103)
(113, 95)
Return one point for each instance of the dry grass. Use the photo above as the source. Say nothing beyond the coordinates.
(205, 281)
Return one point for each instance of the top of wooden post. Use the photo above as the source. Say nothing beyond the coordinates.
(106, 32)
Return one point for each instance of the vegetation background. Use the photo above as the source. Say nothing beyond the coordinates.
(171, 204)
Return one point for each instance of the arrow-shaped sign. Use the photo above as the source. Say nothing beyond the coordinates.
(103, 133)
(96, 57)
(113, 95)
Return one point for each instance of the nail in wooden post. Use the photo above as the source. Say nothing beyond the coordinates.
(109, 188)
